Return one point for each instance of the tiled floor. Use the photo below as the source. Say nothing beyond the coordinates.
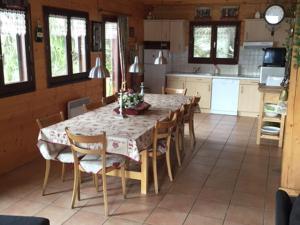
(226, 179)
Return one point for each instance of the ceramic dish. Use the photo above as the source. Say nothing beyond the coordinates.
(271, 110)
(272, 130)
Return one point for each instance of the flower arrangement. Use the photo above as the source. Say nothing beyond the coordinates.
(130, 99)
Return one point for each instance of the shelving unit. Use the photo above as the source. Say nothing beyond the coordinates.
(270, 95)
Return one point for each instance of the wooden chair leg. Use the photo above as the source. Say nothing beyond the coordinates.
(47, 172)
(169, 164)
(63, 170)
(78, 187)
(96, 182)
(105, 193)
(123, 180)
(192, 133)
(177, 148)
(75, 187)
(154, 165)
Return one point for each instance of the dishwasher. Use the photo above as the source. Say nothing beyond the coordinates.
(225, 96)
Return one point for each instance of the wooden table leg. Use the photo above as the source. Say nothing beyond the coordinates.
(144, 172)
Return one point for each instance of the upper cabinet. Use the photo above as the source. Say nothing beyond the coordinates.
(167, 30)
(257, 30)
(215, 42)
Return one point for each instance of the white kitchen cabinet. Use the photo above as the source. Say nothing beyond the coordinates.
(256, 30)
(200, 87)
(249, 98)
(178, 29)
(156, 30)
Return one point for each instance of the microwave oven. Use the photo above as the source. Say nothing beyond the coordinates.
(274, 57)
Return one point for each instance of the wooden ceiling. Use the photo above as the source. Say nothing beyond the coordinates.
(196, 2)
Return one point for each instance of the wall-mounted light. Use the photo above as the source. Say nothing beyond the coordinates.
(39, 34)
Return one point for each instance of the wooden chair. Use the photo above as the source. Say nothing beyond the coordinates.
(110, 99)
(161, 146)
(95, 161)
(189, 118)
(177, 133)
(92, 106)
(61, 153)
(174, 91)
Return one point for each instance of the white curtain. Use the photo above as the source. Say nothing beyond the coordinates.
(12, 22)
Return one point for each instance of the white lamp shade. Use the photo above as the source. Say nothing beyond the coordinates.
(98, 71)
(160, 60)
(136, 66)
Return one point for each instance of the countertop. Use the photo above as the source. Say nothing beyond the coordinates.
(208, 75)
(264, 88)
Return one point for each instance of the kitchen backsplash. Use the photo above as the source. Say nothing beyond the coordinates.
(250, 61)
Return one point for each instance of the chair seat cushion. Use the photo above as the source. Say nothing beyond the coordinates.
(22, 220)
(161, 146)
(93, 163)
(65, 156)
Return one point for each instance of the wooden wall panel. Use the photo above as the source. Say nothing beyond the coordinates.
(18, 130)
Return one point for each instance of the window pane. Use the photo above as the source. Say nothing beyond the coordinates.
(58, 45)
(111, 56)
(225, 42)
(78, 33)
(202, 42)
(13, 31)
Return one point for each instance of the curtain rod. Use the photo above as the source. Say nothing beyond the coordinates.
(114, 12)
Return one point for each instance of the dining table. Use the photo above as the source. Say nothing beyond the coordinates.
(130, 136)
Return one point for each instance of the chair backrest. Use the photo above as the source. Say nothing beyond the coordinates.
(92, 106)
(82, 144)
(163, 130)
(174, 91)
(50, 120)
(110, 99)
(195, 104)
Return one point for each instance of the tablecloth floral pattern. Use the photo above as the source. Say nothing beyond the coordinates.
(126, 136)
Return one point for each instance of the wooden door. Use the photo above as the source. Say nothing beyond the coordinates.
(176, 82)
(200, 87)
(249, 98)
(177, 35)
(257, 30)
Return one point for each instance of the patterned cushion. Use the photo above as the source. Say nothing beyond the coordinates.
(161, 146)
(93, 163)
(65, 156)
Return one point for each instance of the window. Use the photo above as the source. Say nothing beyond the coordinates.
(67, 45)
(111, 56)
(16, 67)
(214, 42)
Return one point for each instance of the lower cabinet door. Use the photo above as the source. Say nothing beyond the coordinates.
(200, 88)
(249, 98)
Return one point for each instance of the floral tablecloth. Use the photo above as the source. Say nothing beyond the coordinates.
(126, 136)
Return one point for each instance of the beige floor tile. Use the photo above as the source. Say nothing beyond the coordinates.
(215, 195)
(178, 202)
(86, 218)
(201, 220)
(161, 216)
(24, 208)
(244, 215)
(134, 212)
(120, 221)
(56, 215)
(209, 209)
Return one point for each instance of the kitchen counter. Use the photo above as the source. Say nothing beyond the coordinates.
(208, 75)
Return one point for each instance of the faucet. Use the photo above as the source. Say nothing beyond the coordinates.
(196, 69)
(216, 70)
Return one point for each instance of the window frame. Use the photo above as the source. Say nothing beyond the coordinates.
(213, 52)
(7, 90)
(70, 77)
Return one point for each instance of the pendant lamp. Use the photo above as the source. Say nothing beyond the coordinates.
(99, 71)
(136, 66)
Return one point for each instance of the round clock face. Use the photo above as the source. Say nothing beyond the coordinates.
(274, 14)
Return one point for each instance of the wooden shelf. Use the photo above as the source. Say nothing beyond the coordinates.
(272, 119)
(270, 137)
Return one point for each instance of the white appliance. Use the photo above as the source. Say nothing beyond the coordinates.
(258, 44)
(269, 71)
(225, 95)
(155, 75)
